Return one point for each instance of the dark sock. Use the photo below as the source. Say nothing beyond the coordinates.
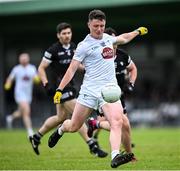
(90, 143)
(96, 135)
(39, 135)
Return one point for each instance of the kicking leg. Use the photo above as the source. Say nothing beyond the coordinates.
(93, 145)
(79, 116)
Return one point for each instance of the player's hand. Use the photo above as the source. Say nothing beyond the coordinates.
(57, 96)
(7, 86)
(142, 31)
(36, 79)
(49, 90)
(129, 88)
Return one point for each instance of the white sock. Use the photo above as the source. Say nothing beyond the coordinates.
(114, 153)
(60, 130)
(9, 118)
(30, 132)
(97, 124)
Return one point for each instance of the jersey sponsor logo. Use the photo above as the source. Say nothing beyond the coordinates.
(107, 53)
(67, 52)
(65, 61)
(61, 53)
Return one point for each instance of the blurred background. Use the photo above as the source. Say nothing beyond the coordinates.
(29, 26)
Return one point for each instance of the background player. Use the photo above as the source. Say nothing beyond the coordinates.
(24, 75)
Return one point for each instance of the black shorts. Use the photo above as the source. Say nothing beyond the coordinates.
(123, 103)
(68, 94)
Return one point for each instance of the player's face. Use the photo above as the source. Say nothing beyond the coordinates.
(65, 36)
(96, 28)
(24, 59)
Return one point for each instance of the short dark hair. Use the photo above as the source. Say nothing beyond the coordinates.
(97, 14)
(62, 26)
(110, 31)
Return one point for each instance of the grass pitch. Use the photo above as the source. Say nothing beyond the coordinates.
(156, 149)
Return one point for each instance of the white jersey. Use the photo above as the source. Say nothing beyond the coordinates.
(23, 76)
(97, 57)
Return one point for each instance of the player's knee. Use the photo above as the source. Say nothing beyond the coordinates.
(61, 117)
(74, 128)
(117, 123)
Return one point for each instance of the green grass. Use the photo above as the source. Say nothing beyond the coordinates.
(156, 149)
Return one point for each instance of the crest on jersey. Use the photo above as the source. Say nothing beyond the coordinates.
(26, 78)
(107, 53)
(103, 44)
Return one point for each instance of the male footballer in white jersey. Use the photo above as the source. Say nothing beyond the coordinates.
(24, 74)
(95, 52)
(58, 58)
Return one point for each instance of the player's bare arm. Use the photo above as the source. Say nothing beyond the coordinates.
(127, 37)
(42, 72)
(81, 68)
(133, 72)
(69, 73)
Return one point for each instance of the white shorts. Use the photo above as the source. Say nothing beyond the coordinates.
(22, 97)
(91, 101)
